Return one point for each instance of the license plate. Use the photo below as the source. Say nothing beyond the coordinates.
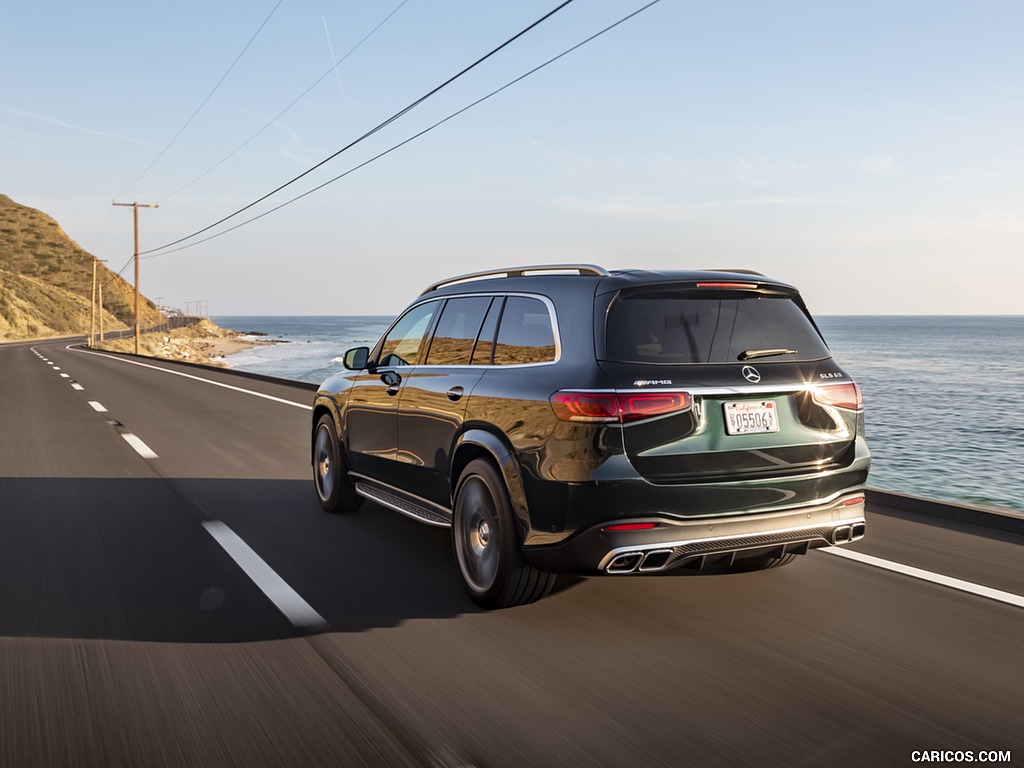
(751, 417)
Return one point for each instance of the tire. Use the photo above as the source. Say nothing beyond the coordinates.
(486, 544)
(763, 562)
(334, 488)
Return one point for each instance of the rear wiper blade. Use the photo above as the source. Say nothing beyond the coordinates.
(750, 354)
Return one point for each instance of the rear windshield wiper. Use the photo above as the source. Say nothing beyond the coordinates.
(750, 354)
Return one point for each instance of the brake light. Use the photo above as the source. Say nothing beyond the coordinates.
(622, 407)
(741, 286)
(839, 395)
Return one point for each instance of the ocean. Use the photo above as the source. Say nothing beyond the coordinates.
(944, 419)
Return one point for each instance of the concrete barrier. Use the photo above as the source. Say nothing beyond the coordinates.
(998, 518)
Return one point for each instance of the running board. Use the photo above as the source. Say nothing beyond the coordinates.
(407, 507)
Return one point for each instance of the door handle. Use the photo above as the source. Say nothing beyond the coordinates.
(455, 393)
(392, 390)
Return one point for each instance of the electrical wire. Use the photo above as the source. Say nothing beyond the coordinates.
(369, 133)
(273, 120)
(200, 107)
(152, 253)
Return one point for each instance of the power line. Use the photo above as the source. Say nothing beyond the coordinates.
(371, 132)
(152, 253)
(200, 107)
(298, 98)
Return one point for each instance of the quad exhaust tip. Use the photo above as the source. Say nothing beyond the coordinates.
(844, 534)
(644, 562)
(627, 562)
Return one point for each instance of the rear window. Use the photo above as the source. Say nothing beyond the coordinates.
(680, 328)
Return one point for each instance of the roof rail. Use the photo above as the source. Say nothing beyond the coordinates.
(581, 269)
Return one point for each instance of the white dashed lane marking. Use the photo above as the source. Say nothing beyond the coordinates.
(288, 601)
(76, 385)
(97, 406)
(140, 447)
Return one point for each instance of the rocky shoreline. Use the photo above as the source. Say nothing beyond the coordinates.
(205, 343)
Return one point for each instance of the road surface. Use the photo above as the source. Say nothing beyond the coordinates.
(171, 594)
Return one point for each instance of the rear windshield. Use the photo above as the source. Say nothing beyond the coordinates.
(676, 328)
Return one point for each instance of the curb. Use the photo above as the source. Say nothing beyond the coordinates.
(998, 518)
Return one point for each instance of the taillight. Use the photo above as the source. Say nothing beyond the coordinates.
(598, 407)
(839, 395)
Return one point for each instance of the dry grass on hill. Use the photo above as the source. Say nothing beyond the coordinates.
(46, 280)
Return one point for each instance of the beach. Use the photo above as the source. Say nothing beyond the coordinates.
(205, 343)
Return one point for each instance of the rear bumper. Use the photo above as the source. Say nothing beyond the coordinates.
(697, 543)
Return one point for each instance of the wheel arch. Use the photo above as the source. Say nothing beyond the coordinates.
(321, 406)
(480, 443)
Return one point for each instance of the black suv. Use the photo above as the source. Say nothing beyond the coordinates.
(568, 419)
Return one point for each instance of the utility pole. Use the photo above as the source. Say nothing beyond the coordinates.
(101, 314)
(135, 207)
(160, 310)
(92, 305)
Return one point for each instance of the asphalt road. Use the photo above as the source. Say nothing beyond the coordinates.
(131, 636)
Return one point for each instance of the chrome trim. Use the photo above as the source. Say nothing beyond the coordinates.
(734, 543)
(819, 521)
(489, 294)
(759, 389)
(583, 269)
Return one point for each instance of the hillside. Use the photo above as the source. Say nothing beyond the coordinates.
(46, 280)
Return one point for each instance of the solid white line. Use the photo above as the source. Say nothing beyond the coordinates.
(936, 578)
(98, 407)
(199, 378)
(296, 610)
(76, 385)
(140, 447)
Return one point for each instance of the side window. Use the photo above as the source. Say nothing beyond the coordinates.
(404, 342)
(485, 344)
(456, 331)
(525, 334)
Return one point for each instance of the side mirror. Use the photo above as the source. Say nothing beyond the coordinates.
(355, 359)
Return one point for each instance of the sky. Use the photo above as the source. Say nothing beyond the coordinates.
(870, 153)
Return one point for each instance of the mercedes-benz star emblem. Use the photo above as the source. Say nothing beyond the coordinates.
(750, 374)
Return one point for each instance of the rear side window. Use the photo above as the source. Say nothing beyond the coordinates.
(679, 328)
(525, 334)
(457, 330)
